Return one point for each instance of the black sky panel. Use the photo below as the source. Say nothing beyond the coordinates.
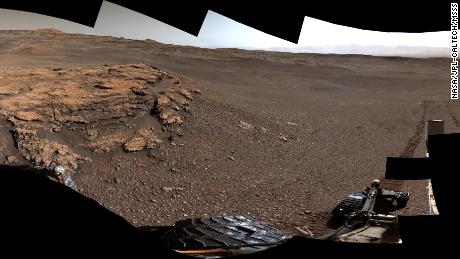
(283, 19)
(387, 16)
(82, 12)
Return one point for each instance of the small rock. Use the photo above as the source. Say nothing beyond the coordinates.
(263, 130)
(186, 94)
(283, 137)
(173, 169)
(27, 116)
(163, 100)
(11, 159)
(139, 91)
(231, 158)
(185, 215)
(291, 123)
(245, 125)
(307, 212)
(166, 189)
(187, 109)
(116, 180)
(169, 118)
(56, 128)
(135, 144)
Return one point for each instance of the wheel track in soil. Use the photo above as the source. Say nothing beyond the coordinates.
(452, 114)
(414, 141)
(410, 147)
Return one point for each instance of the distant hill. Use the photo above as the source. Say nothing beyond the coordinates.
(50, 30)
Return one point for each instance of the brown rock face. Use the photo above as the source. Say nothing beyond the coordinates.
(50, 30)
(170, 117)
(144, 138)
(97, 103)
(107, 142)
(134, 144)
(44, 151)
(27, 116)
(163, 100)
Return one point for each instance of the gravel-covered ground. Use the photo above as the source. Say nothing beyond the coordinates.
(159, 133)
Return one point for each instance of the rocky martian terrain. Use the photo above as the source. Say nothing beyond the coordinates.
(158, 133)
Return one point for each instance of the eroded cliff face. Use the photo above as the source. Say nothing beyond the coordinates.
(94, 102)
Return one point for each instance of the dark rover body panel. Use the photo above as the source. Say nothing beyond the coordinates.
(387, 201)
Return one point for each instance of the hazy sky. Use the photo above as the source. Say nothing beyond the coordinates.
(219, 31)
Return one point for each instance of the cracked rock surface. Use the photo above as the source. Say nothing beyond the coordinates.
(82, 99)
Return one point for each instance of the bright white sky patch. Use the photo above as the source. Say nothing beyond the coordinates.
(320, 33)
(18, 20)
(219, 31)
(118, 21)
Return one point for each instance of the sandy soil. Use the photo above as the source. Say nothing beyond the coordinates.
(158, 133)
